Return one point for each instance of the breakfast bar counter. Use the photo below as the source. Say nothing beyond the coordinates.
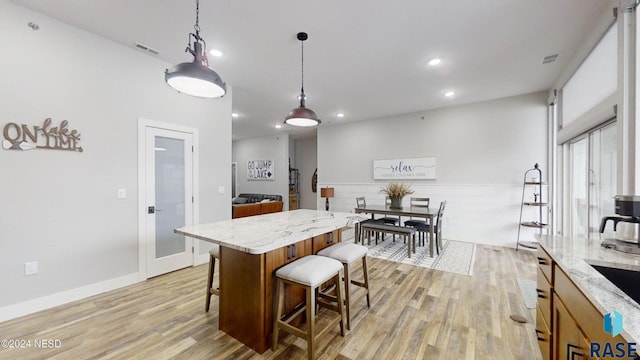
(251, 249)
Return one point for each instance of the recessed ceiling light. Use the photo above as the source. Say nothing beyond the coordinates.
(434, 62)
(340, 115)
(215, 52)
(449, 93)
(278, 126)
(234, 115)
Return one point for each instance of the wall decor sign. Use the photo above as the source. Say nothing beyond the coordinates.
(410, 169)
(45, 136)
(260, 170)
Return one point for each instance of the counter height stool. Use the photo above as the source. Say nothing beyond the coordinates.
(347, 253)
(214, 254)
(309, 272)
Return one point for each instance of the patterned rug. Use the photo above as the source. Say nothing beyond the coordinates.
(456, 256)
(529, 294)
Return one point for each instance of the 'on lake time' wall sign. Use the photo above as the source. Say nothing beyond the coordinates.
(47, 136)
(260, 170)
(410, 169)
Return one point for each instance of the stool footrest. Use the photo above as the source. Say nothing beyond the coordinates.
(358, 283)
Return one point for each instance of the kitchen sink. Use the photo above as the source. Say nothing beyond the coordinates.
(626, 280)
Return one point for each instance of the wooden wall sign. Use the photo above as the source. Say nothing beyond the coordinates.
(25, 137)
(410, 169)
(260, 170)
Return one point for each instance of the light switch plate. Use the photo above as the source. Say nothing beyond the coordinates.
(31, 268)
(122, 193)
(220, 189)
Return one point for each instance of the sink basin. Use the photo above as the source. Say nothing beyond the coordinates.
(626, 280)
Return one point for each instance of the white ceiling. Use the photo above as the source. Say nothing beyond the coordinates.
(366, 58)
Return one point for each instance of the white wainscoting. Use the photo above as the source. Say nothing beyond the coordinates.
(482, 214)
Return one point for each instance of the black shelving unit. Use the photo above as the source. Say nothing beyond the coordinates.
(529, 182)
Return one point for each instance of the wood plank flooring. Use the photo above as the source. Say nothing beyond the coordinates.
(416, 313)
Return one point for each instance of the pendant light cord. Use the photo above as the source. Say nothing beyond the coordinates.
(302, 95)
(196, 27)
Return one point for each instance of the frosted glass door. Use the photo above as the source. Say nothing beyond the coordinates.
(169, 199)
(170, 195)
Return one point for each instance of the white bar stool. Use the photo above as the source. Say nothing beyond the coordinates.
(214, 254)
(347, 253)
(309, 272)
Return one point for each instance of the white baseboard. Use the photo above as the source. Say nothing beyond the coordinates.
(31, 306)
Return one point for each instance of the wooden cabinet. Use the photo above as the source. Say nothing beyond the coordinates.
(569, 341)
(246, 286)
(566, 320)
(544, 319)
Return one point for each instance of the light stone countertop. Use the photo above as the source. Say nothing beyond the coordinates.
(574, 255)
(263, 233)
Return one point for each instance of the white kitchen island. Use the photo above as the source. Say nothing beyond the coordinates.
(251, 249)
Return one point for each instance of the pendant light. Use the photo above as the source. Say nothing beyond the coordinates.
(196, 78)
(302, 116)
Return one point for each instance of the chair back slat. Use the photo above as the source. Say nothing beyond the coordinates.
(420, 202)
(440, 214)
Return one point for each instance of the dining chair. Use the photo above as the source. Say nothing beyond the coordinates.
(418, 202)
(437, 230)
(362, 203)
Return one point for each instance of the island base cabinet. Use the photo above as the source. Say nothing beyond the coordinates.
(247, 284)
(569, 341)
(543, 334)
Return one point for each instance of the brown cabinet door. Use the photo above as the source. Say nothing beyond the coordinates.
(569, 342)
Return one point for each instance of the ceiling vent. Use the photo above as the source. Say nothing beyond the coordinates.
(147, 49)
(550, 59)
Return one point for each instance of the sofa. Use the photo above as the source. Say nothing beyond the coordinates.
(254, 198)
(256, 204)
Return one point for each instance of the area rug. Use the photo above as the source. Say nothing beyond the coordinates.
(528, 291)
(455, 256)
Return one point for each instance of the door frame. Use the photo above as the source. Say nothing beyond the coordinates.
(143, 124)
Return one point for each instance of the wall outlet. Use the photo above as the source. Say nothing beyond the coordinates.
(31, 268)
(220, 189)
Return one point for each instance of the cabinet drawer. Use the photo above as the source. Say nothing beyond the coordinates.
(325, 240)
(545, 296)
(544, 336)
(545, 263)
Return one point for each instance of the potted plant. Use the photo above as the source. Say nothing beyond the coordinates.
(395, 192)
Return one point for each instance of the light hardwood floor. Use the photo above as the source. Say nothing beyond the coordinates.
(416, 313)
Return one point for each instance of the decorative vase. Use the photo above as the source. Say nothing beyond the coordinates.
(396, 202)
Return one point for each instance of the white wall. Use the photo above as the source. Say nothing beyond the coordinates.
(481, 150)
(307, 162)
(274, 148)
(60, 208)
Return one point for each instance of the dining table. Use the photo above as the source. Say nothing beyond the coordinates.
(408, 211)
